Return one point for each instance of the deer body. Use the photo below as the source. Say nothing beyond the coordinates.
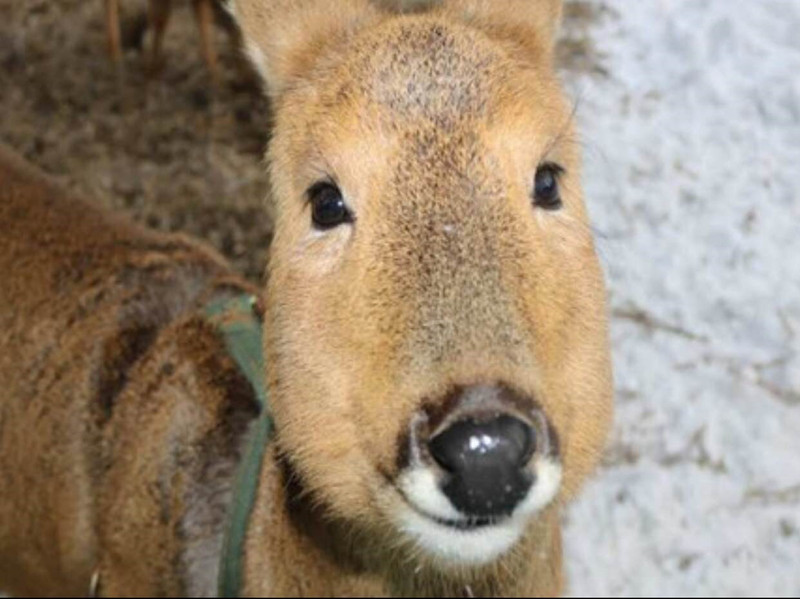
(434, 334)
(114, 394)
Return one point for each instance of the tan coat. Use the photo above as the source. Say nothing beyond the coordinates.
(116, 397)
(122, 419)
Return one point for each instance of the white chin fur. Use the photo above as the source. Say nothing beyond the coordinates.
(468, 547)
(478, 546)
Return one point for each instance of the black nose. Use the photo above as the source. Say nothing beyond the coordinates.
(485, 461)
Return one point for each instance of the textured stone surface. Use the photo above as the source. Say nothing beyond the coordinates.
(692, 145)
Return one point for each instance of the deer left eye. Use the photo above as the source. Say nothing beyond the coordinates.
(546, 192)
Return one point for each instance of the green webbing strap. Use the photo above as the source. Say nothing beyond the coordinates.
(241, 330)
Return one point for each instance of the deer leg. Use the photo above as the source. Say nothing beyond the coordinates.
(204, 11)
(158, 12)
(113, 31)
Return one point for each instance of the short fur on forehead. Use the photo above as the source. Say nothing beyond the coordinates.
(284, 38)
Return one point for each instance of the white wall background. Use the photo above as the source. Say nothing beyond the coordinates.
(692, 149)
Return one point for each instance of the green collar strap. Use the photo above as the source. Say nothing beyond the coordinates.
(241, 331)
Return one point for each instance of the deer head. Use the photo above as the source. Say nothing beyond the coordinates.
(436, 319)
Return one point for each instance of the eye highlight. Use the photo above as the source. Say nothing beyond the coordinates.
(546, 190)
(328, 208)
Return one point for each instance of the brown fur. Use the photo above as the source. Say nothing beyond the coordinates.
(117, 400)
(433, 125)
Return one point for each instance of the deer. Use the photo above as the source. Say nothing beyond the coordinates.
(104, 340)
(436, 366)
(158, 14)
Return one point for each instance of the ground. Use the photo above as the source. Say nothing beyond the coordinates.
(690, 113)
(165, 148)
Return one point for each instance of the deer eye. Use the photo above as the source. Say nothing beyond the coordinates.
(328, 208)
(546, 192)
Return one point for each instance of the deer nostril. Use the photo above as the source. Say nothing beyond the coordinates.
(470, 444)
(486, 461)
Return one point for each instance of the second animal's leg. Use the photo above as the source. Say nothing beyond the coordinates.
(158, 15)
(204, 11)
(113, 31)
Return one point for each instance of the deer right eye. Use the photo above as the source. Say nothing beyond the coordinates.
(328, 208)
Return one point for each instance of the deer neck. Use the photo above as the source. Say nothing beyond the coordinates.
(292, 549)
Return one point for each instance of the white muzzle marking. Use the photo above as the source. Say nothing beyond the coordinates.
(438, 528)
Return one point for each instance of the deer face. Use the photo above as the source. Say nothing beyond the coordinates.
(436, 331)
